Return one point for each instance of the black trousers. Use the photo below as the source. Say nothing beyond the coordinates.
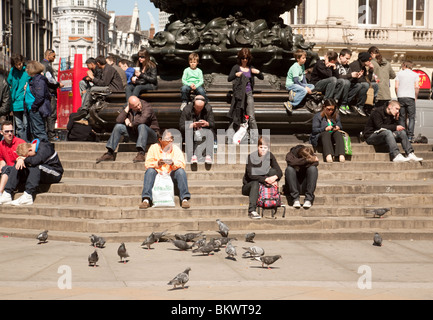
(32, 177)
(302, 181)
(251, 189)
(328, 139)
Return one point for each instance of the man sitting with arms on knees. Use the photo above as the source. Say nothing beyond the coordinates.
(382, 128)
(8, 147)
(138, 121)
(37, 163)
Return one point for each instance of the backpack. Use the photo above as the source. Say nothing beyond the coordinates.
(269, 198)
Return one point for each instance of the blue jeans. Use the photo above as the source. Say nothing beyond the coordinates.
(178, 176)
(21, 124)
(343, 97)
(300, 93)
(327, 87)
(408, 111)
(186, 91)
(136, 90)
(390, 139)
(145, 136)
(37, 126)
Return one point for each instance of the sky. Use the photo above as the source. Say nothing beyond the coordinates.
(125, 8)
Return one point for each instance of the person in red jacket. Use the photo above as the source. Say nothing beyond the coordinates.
(8, 156)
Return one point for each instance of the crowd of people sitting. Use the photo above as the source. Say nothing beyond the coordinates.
(28, 156)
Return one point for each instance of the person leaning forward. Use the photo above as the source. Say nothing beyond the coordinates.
(137, 121)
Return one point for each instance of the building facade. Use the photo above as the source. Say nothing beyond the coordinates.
(401, 29)
(25, 28)
(80, 26)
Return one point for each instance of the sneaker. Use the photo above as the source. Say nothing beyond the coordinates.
(348, 110)
(254, 215)
(400, 158)
(25, 200)
(108, 156)
(360, 111)
(342, 110)
(296, 204)
(292, 95)
(413, 157)
(289, 107)
(140, 157)
(307, 204)
(186, 204)
(208, 160)
(194, 159)
(5, 198)
(145, 204)
(183, 105)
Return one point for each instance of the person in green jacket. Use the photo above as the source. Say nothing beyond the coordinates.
(17, 80)
(384, 72)
(192, 80)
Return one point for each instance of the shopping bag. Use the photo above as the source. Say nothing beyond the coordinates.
(347, 143)
(370, 97)
(163, 191)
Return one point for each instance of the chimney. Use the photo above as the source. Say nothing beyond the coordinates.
(151, 31)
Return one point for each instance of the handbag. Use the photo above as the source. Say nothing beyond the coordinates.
(347, 143)
(269, 198)
(163, 191)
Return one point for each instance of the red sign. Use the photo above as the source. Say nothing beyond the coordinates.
(424, 80)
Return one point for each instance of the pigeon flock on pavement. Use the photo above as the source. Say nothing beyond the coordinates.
(201, 245)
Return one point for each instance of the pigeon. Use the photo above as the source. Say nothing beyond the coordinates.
(206, 249)
(224, 241)
(231, 251)
(100, 243)
(377, 240)
(42, 237)
(249, 237)
(181, 279)
(123, 254)
(182, 245)
(379, 212)
(216, 243)
(159, 235)
(253, 252)
(200, 242)
(149, 241)
(223, 229)
(268, 260)
(191, 236)
(93, 258)
(180, 237)
(97, 241)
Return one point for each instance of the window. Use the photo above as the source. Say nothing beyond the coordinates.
(415, 13)
(80, 27)
(80, 3)
(72, 27)
(368, 11)
(297, 15)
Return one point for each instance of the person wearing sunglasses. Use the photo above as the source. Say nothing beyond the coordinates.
(326, 130)
(8, 147)
(145, 77)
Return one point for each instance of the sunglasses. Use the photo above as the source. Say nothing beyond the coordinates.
(8, 131)
(142, 57)
(329, 109)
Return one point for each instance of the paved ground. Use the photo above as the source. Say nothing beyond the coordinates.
(308, 270)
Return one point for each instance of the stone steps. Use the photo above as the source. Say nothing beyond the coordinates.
(103, 198)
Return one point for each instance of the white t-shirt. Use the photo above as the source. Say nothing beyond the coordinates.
(407, 80)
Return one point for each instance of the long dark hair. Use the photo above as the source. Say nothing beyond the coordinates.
(147, 62)
(245, 53)
(330, 103)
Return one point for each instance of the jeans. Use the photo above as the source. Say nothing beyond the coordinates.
(343, 93)
(390, 139)
(300, 93)
(37, 126)
(408, 113)
(179, 179)
(145, 136)
(136, 90)
(302, 181)
(250, 111)
(186, 91)
(32, 176)
(87, 99)
(51, 119)
(21, 124)
(327, 87)
(359, 91)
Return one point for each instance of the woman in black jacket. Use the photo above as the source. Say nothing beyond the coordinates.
(242, 75)
(145, 77)
(262, 167)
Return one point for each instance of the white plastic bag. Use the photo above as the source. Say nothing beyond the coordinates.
(242, 131)
(163, 191)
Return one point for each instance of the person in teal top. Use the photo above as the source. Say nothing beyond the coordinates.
(17, 80)
(192, 80)
(296, 82)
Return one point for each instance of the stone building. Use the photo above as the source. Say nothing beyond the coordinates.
(401, 29)
(80, 26)
(26, 28)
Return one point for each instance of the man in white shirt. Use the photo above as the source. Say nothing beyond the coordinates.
(407, 89)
